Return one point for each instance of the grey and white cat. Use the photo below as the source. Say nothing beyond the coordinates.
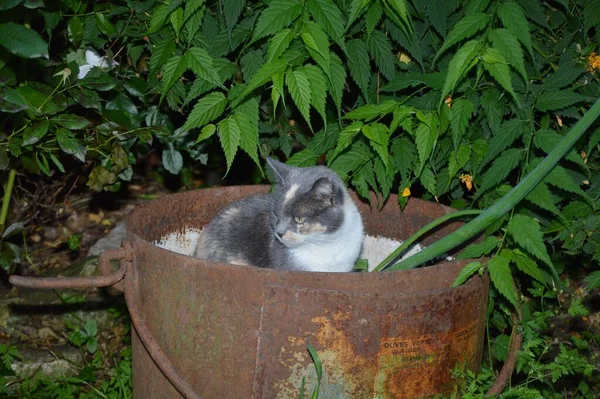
(309, 223)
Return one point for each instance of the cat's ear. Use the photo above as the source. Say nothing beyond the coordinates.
(280, 170)
(324, 189)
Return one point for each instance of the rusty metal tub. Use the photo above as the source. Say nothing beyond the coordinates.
(225, 331)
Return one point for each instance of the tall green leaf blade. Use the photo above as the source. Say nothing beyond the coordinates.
(385, 177)
(513, 18)
(372, 111)
(230, 135)
(278, 15)
(22, 42)
(251, 62)
(505, 42)
(459, 65)
(527, 233)
(300, 90)
(502, 278)
(464, 29)
(329, 16)
(357, 8)
(206, 110)
(359, 64)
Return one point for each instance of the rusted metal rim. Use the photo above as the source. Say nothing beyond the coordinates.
(109, 278)
(158, 356)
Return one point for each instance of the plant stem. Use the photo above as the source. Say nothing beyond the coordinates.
(510, 200)
(398, 251)
(6, 199)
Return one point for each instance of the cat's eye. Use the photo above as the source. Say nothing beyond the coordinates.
(299, 219)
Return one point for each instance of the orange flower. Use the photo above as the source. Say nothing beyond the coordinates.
(448, 101)
(593, 62)
(406, 192)
(467, 180)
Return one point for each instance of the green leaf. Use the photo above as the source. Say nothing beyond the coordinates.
(172, 160)
(206, 110)
(251, 62)
(542, 197)
(277, 90)
(501, 167)
(527, 265)
(318, 85)
(160, 13)
(458, 159)
(399, 6)
(502, 278)
(495, 63)
(98, 80)
(373, 16)
(329, 16)
(379, 138)
(500, 348)
(346, 138)
(232, 10)
(463, 29)
(229, 135)
(303, 158)
(357, 8)
(104, 24)
(480, 249)
(372, 111)
(381, 52)
(385, 178)
(100, 177)
(12, 230)
(161, 53)
(463, 60)
(337, 81)
(555, 100)
(278, 15)
(493, 107)
(559, 177)
(75, 30)
(177, 20)
(86, 98)
(425, 138)
(201, 63)
(567, 72)
(592, 280)
(353, 158)
(547, 139)
(513, 18)
(22, 42)
(171, 72)
(72, 122)
(591, 14)
(428, 180)
(503, 138)
(34, 134)
(317, 44)
(437, 13)
(69, 144)
(467, 271)
(206, 133)
(246, 116)
(359, 64)
(508, 45)
(300, 90)
(462, 111)
(279, 43)
(527, 233)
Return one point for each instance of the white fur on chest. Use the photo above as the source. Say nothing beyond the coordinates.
(337, 255)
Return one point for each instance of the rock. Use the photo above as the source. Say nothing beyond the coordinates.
(51, 233)
(112, 240)
(55, 364)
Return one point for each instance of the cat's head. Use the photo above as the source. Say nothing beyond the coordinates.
(309, 204)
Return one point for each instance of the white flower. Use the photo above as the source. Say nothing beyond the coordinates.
(94, 60)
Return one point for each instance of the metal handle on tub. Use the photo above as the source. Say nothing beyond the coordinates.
(117, 280)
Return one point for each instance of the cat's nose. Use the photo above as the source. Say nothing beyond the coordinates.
(280, 229)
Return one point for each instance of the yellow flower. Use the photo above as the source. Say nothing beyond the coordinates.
(406, 192)
(448, 101)
(593, 62)
(404, 58)
(467, 180)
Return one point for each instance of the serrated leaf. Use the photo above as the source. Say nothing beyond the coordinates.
(495, 63)
(542, 197)
(591, 14)
(193, 21)
(69, 144)
(325, 139)
(493, 108)
(372, 111)
(160, 13)
(513, 18)
(379, 138)
(277, 90)
(399, 7)
(207, 132)
(503, 138)
(86, 98)
(278, 15)
(71, 122)
(22, 42)
(404, 80)
(357, 8)
(346, 137)
(527, 265)
(317, 44)
(462, 111)
(232, 9)
(464, 29)
(373, 16)
(425, 138)
(206, 110)
(555, 100)
(428, 180)
(100, 177)
(402, 117)
(437, 13)
(546, 140)
(559, 177)
(359, 64)
(385, 177)
(201, 63)
(171, 72)
(467, 271)
(527, 233)
(501, 167)
(500, 348)
(299, 87)
(460, 64)
(279, 43)
(35, 133)
(458, 159)
(229, 135)
(479, 249)
(567, 72)
(329, 16)
(318, 85)
(104, 24)
(161, 53)
(251, 62)
(172, 160)
(507, 44)
(405, 155)
(248, 125)
(303, 158)
(337, 81)
(380, 49)
(502, 278)
(353, 158)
